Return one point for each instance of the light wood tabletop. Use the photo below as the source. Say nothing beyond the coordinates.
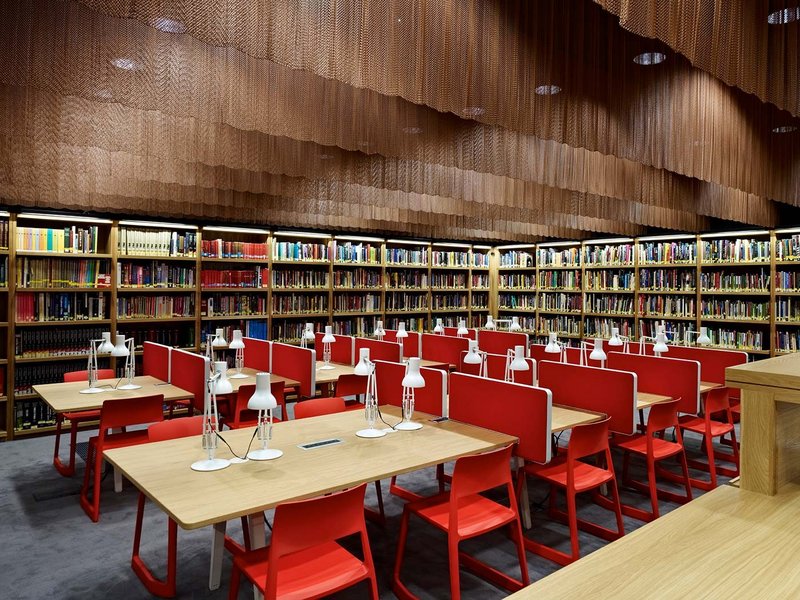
(646, 400)
(729, 543)
(251, 379)
(563, 417)
(706, 386)
(162, 470)
(66, 397)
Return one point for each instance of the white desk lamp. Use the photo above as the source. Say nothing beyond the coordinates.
(555, 347)
(462, 329)
(475, 356)
(366, 367)
(618, 340)
(327, 340)
(515, 361)
(124, 349)
(439, 329)
(308, 335)
(213, 341)
(102, 345)
(515, 326)
(660, 343)
(597, 353)
(401, 330)
(702, 337)
(413, 380)
(237, 343)
(490, 324)
(210, 429)
(264, 402)
(379, 330)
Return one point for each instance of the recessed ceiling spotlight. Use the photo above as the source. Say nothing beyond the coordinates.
(168, 25)
(473, 111)
(784, 129)
(649, 58)
(126, 64)
(326, 156)
(547, 90)
(412, 130)
(782, 17)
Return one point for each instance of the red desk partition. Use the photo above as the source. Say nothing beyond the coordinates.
(672, 377)
(258, 354)
(411, 344)
(341, 349)
(536, 351)
(156, 361)
(190, 372)
(499, 342)
(713, 361)
(496, 369)
(472, 334)
(511, 408)
(430, 399)
(593, 389)
(443, 348)
(379, 350)
(295, 363)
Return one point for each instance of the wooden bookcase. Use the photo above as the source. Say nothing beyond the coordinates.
(480, 285)
(609, 287)
(358, 292)
(516, 284)
(559, 274)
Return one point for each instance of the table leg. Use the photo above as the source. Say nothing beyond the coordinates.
(117, 480)
(524, 499)
(258, 539)
(217, 549)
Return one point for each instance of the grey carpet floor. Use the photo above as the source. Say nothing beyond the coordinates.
(50, 549)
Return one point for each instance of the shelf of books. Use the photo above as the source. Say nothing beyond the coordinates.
(609, 285)
(559, 273)
(450, 282)
(357, 284)
(516, 284)
(6, 322)
(786, 289)
(480, 285)
(408, 284)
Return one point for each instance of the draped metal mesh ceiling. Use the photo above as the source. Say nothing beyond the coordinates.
(416, 117)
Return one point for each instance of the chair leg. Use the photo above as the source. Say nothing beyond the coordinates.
(516, 528)
(399, 589)
(572, 515)
(93, 464)
(163, 588)
(651, 483)
(617, 507)
(236, 579)
(65, 470)
(455, 580)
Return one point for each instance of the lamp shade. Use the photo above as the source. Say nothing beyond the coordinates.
(379, 330)
(439, 327)
(401, 330)
(308, 333)
(223, 384)
(262, 398)
(413, 378)
(519, 363)
(703, 338)
(363, 367)
(462, 328)
(661, 343)
(552, 344)
(615, 339)
(598, 353)
(237, 343)
(120, 349)
(219, 339)
(105, 346)
(328, 337)
(490, 324)
(515, 326)
(472, 357)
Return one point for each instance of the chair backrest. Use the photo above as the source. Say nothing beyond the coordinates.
(156, 360)
(351, 384)
(84, 375)
(341, 350)
(175, 428)
(480, 472)
(588, 440)
(717, 401)
(663, 415)
(317, 407)
(131, 411)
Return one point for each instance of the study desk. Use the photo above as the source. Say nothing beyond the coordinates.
(707, 386)
(646, 399)
(251, 379)
(564, 417)
(162, 470)
(729, 543)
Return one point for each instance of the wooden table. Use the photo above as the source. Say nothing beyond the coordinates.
(706, 386)
(729, 543)
(646, 399)
(251, 379)
(162, 470)
(330, 376)
(770, 449)
(564, 417)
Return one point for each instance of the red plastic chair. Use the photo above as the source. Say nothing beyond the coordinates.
(243, 416)
(463, 513)
(575, 476)
(654, 448)
(716, 402)
(351, 385)
(75, 418)
(304, 558)
(115, 414)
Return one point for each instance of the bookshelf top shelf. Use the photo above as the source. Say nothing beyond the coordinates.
(157, 257)
(609, 266)
(734, 292)
(155, 290)
(36, 254)
(246, 261)
(301, 262)
(341, 263)
(514, 268)
(743, 263)
(676, 265)
(73, 288)
(235, 289)
(139, 320)
(59, 323)
(543, 267)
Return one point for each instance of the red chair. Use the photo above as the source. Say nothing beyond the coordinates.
(654, 448)
(75, 418)
(304, 558)
(575, 476)
(716, 402)
(351, 385)
(116, 414)
(463, 513)
(243, 416)
(317, 407)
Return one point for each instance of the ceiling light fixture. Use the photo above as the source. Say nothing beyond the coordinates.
(412, 130)
(168, 25)
(547, 90)
(784, 16)
(784, 129)
(326, 156)
(649, 58)
(126, 64)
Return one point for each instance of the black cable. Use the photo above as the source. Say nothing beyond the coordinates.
(231, 449)
(380, 416)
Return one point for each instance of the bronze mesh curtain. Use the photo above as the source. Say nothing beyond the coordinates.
(398, 116)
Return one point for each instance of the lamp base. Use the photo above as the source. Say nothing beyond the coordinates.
(92, 390)
(211, 464)
(370, 433)
(326, 368)
(129, 386)
(238, 376)
(237, 461)
(265, 454)
(408, 426)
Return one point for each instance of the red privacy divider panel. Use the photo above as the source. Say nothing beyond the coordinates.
(295, 363)
(379, 350)
(537, 352)
(341, 349)
(511, 408)
(713, 361)
(156, 361)
(590, 388)
(190, 372)
(431, 399)
(496, 369)
(443, 348)
(472, 334)
(258, 354)
(672, 377)
(498, 342)
(410, 344)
